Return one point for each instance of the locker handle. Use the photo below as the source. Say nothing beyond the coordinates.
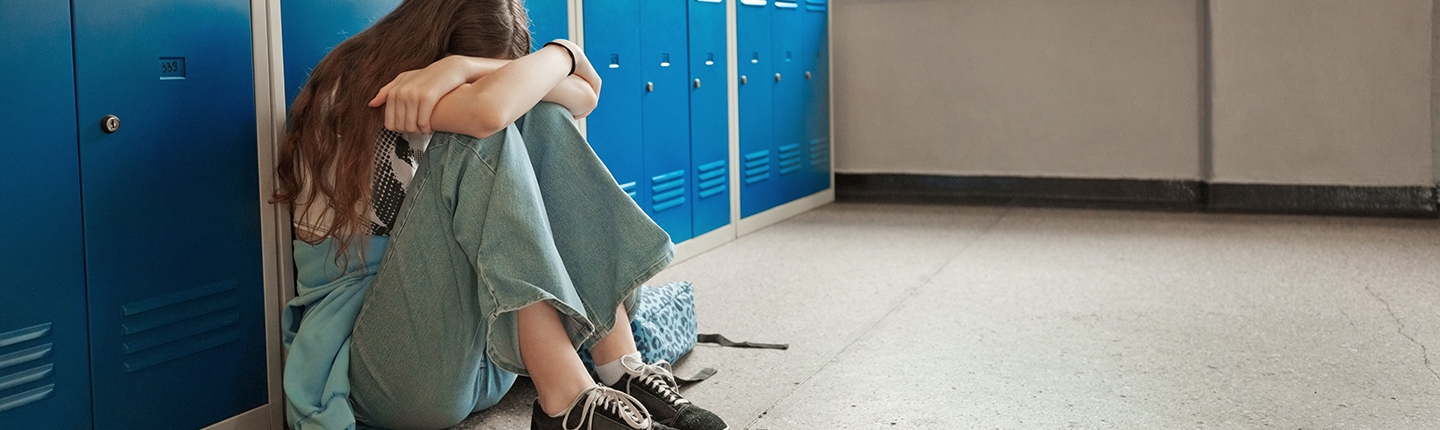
(807, 75)
(777, 77)
(697, 82)
(649, 86)
(742, 79)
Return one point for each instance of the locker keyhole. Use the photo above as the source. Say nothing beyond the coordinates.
(709, 58)
(754, 58)
(614, 61)
(664, 60)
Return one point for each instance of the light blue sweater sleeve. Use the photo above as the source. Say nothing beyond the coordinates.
(317, 325)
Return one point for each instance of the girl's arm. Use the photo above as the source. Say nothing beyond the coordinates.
(480, 96)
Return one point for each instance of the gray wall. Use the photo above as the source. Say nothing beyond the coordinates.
(1435, 87)
(1329, 92)
(1094, 88)
(1322, 92)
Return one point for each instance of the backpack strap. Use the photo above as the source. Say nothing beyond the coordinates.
(722, 341)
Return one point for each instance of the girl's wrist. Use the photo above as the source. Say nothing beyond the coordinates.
(568, 52)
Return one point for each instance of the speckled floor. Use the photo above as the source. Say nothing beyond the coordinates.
(946, 317)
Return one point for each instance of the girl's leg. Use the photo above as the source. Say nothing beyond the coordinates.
(417, 353)
(553, 365)
(620, 341)
(490, 229)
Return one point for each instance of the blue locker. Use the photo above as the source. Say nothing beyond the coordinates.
(612, 43)
(549, 20)
(788, 57)
(665, 115)
(313, 28)
(709, 116)
(44, 348)
(760, 187)
(817, 96)
(171, 212)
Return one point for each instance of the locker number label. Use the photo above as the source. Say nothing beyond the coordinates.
(172, 68)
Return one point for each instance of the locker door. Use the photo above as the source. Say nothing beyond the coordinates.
(817, 97)
(44, 351)
(549, 20)
(788, 54)
(666, 115)
(315, 27)
(709, 114)
(172, 211)
(759, 184)
(612, 42)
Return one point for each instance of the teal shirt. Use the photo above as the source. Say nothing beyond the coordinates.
(317, 325)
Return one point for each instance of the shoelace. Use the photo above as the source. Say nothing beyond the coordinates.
(620, 404)
(659, 377)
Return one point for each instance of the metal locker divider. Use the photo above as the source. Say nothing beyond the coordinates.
(44, 346)
(817, 97)
(760, 187)
(789, 55)
(171, 211)
(614, 128)
(665, 115)
(709, 111)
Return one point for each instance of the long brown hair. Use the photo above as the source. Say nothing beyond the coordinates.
(329, 149)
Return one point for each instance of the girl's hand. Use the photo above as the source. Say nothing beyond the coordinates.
(410, 98)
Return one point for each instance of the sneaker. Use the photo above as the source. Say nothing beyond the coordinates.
(597, 408)
(654, 386)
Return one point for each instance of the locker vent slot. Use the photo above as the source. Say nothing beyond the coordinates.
(712, 178)
(753, 2)
(818, 2)
(24, 334)
(25, 356)
(667, 190)
(26, 376)
(628, 188)
(757, 166)
(785, 5)
(25, 398)
(820, 154)
(815, 8)
(180, 324)
(789, 158)
(21, 367)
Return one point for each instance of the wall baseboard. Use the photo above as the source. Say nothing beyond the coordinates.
(1142, 194)
(1022, 191)
(1413, 202)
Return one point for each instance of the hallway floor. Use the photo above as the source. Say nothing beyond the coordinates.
(958, 317)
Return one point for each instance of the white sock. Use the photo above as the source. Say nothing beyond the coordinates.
(611, 372)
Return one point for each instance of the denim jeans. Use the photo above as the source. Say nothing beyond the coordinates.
(490, 226)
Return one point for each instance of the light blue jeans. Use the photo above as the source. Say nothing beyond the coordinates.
(490, 226)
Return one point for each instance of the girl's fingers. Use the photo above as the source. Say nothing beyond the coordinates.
(381, 95)
(423, 116)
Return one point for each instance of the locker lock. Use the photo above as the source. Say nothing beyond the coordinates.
(697, 83)
(807, 75)
(649, 86)
(110, 123)
(742, 79)
(777, 77)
